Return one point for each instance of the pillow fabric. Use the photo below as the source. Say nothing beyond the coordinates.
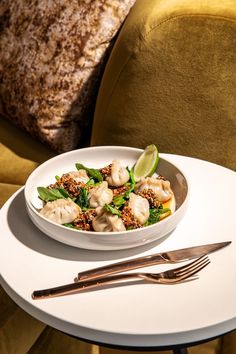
(52, 55)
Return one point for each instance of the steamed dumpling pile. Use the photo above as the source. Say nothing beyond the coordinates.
(159, 187)
(78, 176)
(106, 200)
(61, 211)
(100, 195)
(107, 222)
(139, 207)
(119, 174)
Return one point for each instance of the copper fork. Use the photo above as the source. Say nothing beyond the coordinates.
(171, 276)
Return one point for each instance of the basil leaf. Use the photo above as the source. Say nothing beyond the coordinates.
(92, 172)
(48, 195)
(156, 215)
(63, 192)
(164, 213)
(131, 184)
(112, 210)
(82, 199)
(90, 182)
(70, 225)
(118, 201)
(131, 174)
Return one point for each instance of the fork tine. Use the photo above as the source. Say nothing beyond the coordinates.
(191, 266)
(185, 266)
(194, 270)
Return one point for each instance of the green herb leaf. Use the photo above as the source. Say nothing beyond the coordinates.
(131, 184)
(82, 199)
(118, 201)
(164, 212)
(63, 192)
(48, 195)
(157, 214)
(70, 225)
(112, 210)
(90, 182)
(131, 174)
(92, 172)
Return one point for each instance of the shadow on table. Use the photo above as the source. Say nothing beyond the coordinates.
(28, 234)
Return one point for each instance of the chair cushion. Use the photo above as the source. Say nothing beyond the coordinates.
(52, 58)
(170, 80)
(20, 154)
(18, 330)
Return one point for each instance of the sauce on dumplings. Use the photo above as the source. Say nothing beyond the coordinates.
(171, 204)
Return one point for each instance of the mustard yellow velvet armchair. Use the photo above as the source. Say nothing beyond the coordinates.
(170, 80)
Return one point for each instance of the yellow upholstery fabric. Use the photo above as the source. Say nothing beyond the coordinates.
(52, 341)
(18, 330)
(228, 345)
(23, 145)
(19, 156)
(171, 80)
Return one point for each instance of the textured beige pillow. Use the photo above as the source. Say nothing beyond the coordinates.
(52, 54)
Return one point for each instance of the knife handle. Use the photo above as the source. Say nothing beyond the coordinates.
(123, 266)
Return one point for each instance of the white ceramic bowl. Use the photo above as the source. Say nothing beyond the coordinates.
(97, 157)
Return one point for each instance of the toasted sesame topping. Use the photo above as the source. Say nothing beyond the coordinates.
(84, 221)
(151, 197)
(128, 219)
(69, 184)
(119, 191)
(106, 171)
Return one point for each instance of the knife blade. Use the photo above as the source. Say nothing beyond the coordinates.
(174, 256)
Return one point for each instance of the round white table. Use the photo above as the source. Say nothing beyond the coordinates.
(135, 315)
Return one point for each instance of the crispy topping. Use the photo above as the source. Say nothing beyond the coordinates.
(69, 184)
(128, 219)
(161, 177)
(84, 221)
(106, 171)
(120, 190)
(151, 197)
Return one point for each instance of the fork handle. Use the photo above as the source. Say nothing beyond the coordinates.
(81, 285)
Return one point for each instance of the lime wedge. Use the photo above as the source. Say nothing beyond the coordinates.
(147, 163)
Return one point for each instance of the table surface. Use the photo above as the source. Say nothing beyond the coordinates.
(137, 314)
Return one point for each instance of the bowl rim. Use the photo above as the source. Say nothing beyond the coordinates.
(102, 233)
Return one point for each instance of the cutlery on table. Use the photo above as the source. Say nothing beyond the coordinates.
(175, 256)
(172, 276)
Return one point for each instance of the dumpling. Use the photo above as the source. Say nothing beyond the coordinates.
(139, 207)
(160, 187)
(100, 195)
(78, 176)
(61, 211)
(119, 174)
(106, 222)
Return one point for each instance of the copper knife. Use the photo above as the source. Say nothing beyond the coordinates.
(174, 256)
